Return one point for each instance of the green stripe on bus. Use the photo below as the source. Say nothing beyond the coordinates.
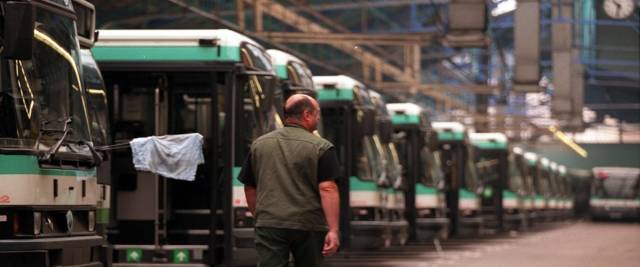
(360, 185)
(466, 194)
(281, 71)
(425, 190)
(491, 145)
(342, 94)
(166, 53)
(102, 216)
(450, 136)
(235, 172)
(405, 119)
(506, 194)
(27, 164)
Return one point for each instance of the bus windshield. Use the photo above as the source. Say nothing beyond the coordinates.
(617, 187)
(96, 98)
(303, 75)
(516, 177)
(394, 169)
(46, 92)
(471, 177)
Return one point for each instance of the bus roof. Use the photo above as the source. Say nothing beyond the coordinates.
(554, 166)
(170, 45)
(448, 126)
(336, 81)
(279, 57)
(545, 162)
(489, 140)
(517, 150)
(224, 37)
(562, 169)
(406, 108)
(531, 157)
(404, 113)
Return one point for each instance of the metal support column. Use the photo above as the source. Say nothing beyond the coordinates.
(213, 168)
(240, 14)
(257, 8)
(344, 185)
(411, 181)
(503, 175)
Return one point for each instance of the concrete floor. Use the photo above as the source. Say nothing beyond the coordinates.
(560, 244)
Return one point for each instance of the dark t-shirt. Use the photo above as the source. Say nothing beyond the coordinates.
(328, 168)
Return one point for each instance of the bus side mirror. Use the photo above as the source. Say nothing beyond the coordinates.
(17, 36)
(85, 23)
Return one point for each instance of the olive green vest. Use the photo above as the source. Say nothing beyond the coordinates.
(285, 164)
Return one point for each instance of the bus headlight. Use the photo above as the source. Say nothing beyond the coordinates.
(37, 223)
(92, 221)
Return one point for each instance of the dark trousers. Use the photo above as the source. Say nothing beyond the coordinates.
(274, 244)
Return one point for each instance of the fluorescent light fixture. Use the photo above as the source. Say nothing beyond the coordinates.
(567, 141)
(504, 7)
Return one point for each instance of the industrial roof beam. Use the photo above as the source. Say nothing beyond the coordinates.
(355, 38)
(462, 88)
(288, 16)
(229, 25)
(372, 4)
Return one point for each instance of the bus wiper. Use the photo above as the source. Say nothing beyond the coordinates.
(97, 159)
(52, 151)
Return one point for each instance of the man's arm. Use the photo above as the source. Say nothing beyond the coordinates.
(330, 199)
(249, 180)
(250, 194)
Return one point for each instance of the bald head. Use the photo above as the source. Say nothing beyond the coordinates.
(299, 103)
(302, 110)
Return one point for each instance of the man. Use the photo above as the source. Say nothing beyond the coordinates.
(290, 189)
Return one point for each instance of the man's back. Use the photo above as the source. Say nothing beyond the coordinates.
(289, 182)
(285, 165)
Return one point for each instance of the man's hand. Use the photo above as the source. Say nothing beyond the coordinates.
(331, 244)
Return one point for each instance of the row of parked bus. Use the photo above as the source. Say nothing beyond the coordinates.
(69, 194)
(403, 176)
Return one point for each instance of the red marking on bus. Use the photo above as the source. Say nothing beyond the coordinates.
(5, 199)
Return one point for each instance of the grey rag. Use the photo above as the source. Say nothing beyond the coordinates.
(172, 156)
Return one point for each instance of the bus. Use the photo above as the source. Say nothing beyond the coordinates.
(394, 192)
(49, 191)
(294, 75)
(544, 182)
(217, 83)
(615, 193)
(556, 191)
(461, 178)
(349, 119)
(537, 192)
(521, 182)
(568, 195)
(422, 170)
(502, 197)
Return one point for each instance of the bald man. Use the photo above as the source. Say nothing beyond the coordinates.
(289, 182)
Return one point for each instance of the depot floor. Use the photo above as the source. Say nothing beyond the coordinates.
(557, 244)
